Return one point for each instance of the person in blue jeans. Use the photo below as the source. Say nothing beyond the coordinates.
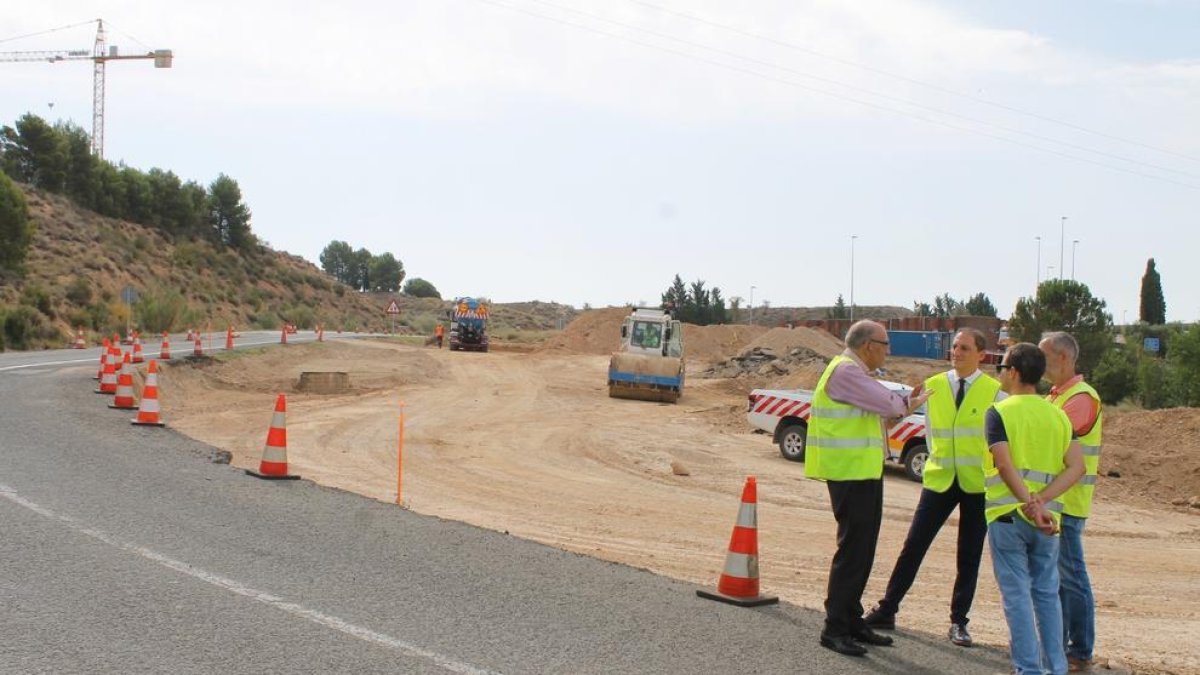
(1032, 461)
(1082, 405)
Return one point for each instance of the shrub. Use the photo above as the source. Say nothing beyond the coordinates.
(161, 310)
(20, 327)
(1116, 376)
(35, 296)
(80, 292)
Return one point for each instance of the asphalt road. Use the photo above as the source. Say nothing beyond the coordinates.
(128, 550)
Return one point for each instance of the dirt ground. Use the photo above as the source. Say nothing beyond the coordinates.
(530, 444)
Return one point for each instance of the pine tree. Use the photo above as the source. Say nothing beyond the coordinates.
(1154, 307)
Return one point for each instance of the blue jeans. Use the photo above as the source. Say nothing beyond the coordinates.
(1075, 591)
(1026, 565)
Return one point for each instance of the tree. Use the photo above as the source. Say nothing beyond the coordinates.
(35, 153)
(361, 270)
(922, 309)
(839, 309)
(946, 306)
(718, 313)
(227, 215)
(419, 288)
(1154, 307)
(1066, 305)
(337, 260)
(1184, 359)
(980, 305)
(386, 273)
(676, 299)
(16, 230)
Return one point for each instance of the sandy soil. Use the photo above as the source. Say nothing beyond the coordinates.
(530, 444)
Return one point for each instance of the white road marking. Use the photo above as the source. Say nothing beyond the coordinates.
(233, 586)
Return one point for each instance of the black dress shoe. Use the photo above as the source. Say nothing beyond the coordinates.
(843, 644)
(877, 619)
(959, 635)
(865, 634)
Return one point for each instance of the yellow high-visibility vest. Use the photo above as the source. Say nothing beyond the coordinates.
(845, 442)
(1039, 435)
(1077, 501)
(955, 436)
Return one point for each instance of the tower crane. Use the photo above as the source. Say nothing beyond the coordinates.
(99, 56)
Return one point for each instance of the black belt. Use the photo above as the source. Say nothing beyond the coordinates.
(1006, 518)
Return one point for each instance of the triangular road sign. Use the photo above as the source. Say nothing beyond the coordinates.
(393, 308)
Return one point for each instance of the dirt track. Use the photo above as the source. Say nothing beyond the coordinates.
(530, 444)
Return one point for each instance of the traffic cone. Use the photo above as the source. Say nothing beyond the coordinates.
(108, 380)
(80, 342)
(123, 400)
(137, 349)
(229, 339)
(190, 335)
(148, 411)
(164, 352)
(738, 584)
(283, 335)
(274, 458)
(103, 358)
(198, 350)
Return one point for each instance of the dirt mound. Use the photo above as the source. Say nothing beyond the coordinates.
(716, 343)
(594, 332)
(599, 332)
(1156, 453)
(783, 340)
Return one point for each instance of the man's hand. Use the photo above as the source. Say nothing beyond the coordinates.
(918, 396)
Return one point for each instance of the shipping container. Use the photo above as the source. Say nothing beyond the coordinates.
(920, 344)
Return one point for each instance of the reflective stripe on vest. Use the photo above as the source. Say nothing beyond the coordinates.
(1077, 501)
(1039, 435)
(844, 442)
(956, 439)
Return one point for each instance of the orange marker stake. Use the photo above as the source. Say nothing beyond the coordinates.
(400, 457)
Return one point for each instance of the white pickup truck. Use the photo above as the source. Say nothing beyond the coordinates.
(784, 413)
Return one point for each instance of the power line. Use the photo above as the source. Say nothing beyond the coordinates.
(935, 87)
(831, 94)
(868, 92)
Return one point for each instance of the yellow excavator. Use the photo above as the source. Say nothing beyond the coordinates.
(649, 366)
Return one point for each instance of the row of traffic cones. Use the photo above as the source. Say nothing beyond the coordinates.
(119, 383)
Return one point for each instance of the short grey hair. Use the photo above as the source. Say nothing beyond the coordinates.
(861, 332)
(1063, 343)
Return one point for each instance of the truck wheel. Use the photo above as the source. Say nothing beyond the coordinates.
(792, 441)
(914, 462)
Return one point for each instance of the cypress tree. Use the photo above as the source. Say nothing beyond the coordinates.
(1154, 307)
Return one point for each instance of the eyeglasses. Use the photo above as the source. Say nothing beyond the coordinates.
(879, 342)
(1001, 366)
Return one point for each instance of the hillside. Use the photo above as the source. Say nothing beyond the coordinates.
(80, 263)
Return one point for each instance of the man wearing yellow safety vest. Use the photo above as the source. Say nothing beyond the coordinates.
(953, 478)
(845, 448)
(1033, 462)
(1081, 403)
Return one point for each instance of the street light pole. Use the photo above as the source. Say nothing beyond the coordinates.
(752, 305)
(1049, 271)
(1074, 243)
(1039, 263)
(1062, 238)
(852, 238)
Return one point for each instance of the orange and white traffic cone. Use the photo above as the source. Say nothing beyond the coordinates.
(108, 380)
(137, 349)
(229, 339)
(198, 349)
(283, 335)
(80, 342)
(103, 358)
(274, 465)
(148, 411)
(123, 400)
(738, 584)
(164, 352)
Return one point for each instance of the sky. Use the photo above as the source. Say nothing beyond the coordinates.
(579, 151)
